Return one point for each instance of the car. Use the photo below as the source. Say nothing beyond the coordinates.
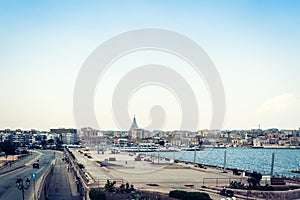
(36, 165)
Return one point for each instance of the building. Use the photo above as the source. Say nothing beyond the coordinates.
(135, 133)
(122, 142)
(257, 142)
(66, 136)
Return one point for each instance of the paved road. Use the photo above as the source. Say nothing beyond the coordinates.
(60, 188)
(8, 189)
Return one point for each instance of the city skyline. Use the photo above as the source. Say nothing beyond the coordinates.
(254, 46)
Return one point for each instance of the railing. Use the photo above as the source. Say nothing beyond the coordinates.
(226, 181)
(80, 176)
(222, 181)
(98, 182)
(44, 182)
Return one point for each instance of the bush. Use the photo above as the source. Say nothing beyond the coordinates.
(110, 186)
(196, 196)
(96, 194)
(236, 185)
(180, 194)
(81, 166)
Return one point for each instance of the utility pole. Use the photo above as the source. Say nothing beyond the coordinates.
(194, 154)
(272, 164)
(158, 155)
(174, 152)
(225, 160)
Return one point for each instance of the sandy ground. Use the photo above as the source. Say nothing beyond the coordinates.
(9, 158)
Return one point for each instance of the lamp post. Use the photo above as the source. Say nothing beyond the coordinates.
(22, 185)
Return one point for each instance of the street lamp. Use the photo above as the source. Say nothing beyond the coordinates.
(22, 186)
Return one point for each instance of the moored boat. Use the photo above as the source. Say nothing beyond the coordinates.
(296, 170)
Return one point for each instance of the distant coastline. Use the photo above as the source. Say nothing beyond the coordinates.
(261, 147)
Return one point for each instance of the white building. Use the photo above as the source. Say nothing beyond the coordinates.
(257, 142)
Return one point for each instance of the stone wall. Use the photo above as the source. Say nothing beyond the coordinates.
(282, 195)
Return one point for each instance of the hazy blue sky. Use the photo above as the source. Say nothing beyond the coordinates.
(254, 44)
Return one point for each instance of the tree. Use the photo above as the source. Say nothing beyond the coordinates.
(110, 186)
(8, 148)
(254, 180)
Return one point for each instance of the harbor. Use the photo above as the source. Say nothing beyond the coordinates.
(286, 160)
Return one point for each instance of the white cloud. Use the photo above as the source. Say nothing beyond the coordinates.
(282, 111)
(282, 104)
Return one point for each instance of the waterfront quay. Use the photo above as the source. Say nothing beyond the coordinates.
(149, 173)
(155, 173)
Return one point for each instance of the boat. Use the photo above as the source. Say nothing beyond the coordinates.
(192, 149)
(297, 170)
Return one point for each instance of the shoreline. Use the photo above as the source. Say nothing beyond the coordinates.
(228, 166)
(191, 149)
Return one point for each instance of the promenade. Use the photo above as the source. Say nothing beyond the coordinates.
(148, 173)
(62, 184)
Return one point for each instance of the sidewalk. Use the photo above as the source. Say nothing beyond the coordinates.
(73, 185)
(62, 184)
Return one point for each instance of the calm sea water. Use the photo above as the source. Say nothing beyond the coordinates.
(246, 159)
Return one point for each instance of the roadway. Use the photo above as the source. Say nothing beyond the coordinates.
(8, 189)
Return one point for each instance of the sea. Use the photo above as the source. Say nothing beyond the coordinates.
(248, 159)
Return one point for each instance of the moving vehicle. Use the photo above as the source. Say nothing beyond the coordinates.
(36, 165)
